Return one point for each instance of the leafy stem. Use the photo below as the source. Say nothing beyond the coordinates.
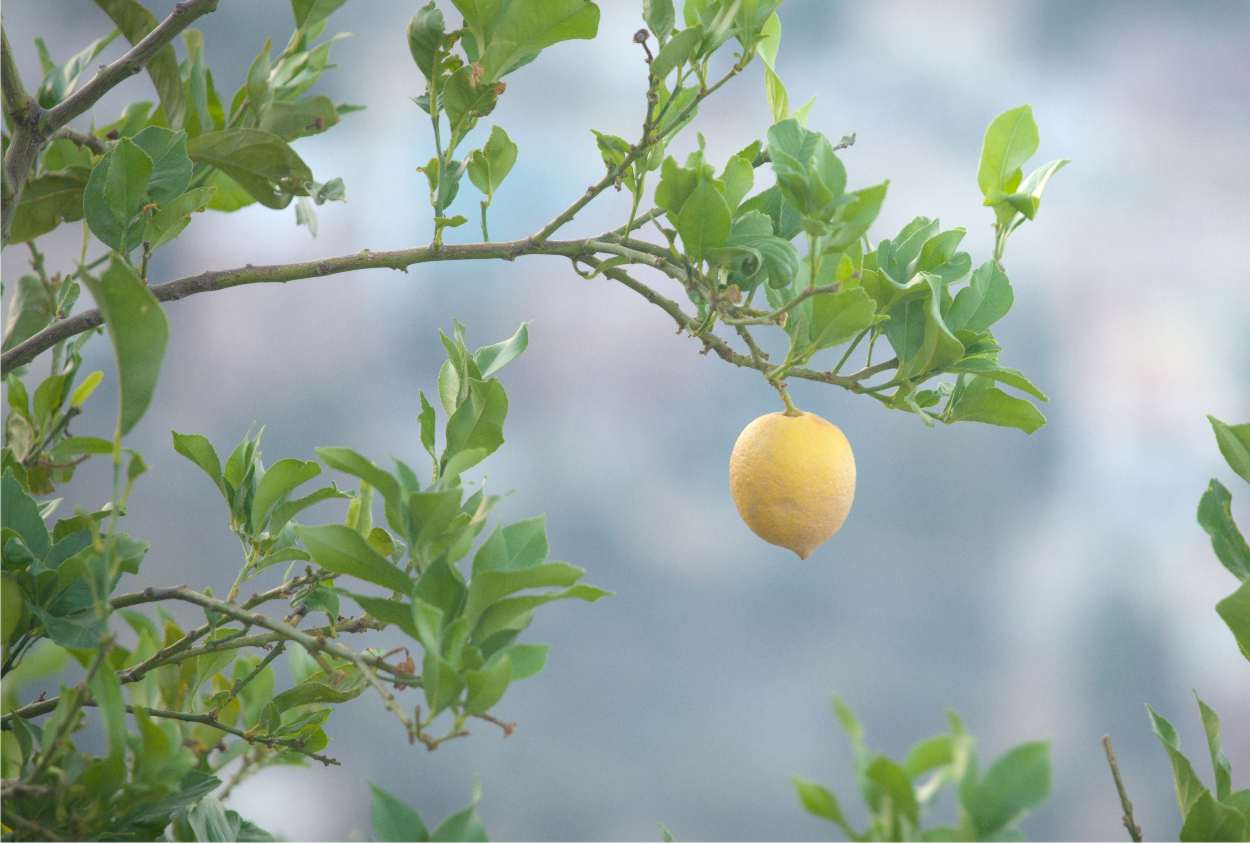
(1130, 824)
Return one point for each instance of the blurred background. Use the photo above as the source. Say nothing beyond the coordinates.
(1044, 586)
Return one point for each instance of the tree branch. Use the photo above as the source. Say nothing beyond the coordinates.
(90, 141)
(16, 101)
(136, 673)
(23, 115)
(32, 127)
(313, 644)
(1130, 825)
(135, 59)
(209, 720)
(212, 281)
(580, 250)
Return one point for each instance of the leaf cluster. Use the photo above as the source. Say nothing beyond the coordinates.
(1218, 813)
(898, 794)
(138, 180)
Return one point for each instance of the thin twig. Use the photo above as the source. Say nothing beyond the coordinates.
(508, 727)
(208, 720)
(1134, 830)
(635, 152)
(252, 674)
(86, 139)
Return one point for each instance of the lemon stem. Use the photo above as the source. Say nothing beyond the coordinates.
(791, 408)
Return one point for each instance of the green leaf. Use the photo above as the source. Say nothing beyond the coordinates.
(514, 547)
(894, 782)
(463, 826)
(704, 221)
(1235, 610)
(59, 82)
(488, 587)
(490, 165)
(1029, 197)
(209, 820)
(282, 478)
(260, 162)
(350, 462)
(488, 685)
(985, 300)
(527, 659)
(837, 317)
(309, 13)
(478, 421)
(677, 51)
(388, 611)
(339, 548)
(171, 168)
(342, 685)
(46, 202)
(115, 193)
(774, 89)
(259, 93)
(515, 613)
(139, 332)
(284, 512)
(1015, 783)
(293, 120)
(1010, 140)
(738, 178)
(440, 682)
(524, 27)
(1234, 442)
(919, 334)
(393, 820)
(809, 173)
(30, 310)
(928, 755)
(980, 401)
(80, 630)
(21, 514)
(1215, 515)
(1209, 820)
(990, 369)
(1219, 761)
(228, 195)
(466, 98)
(107, 691)
(200, 451)
(659, 17)
(819, 801)
(1188, 786)
(852, 220)
(425, 34)
(135, 22)
(757, 254)
(431, 513)
(490, 359)
(168, 222)
(426, 420)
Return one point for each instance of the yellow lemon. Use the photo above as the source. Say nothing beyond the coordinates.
(793, 479)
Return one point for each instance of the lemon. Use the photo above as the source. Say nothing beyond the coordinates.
(792, 478)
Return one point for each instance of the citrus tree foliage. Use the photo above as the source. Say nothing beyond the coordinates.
(1219, 812)
(776, 238)
(897, 794)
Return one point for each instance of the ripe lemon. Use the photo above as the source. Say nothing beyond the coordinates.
(793, 479)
